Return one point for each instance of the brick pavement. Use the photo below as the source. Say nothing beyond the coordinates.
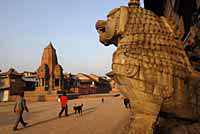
(98, 118)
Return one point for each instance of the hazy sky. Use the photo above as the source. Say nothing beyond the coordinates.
(27, 26)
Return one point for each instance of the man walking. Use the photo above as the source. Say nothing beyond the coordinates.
(19, 107)
(64, 106)
(125, 102)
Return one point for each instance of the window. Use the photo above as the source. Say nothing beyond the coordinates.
(2, 82)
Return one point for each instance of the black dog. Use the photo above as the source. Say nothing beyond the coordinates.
(78, 108)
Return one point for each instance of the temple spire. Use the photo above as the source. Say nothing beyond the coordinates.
(50, 45)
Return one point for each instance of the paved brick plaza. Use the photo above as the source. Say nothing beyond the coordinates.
(109, 117)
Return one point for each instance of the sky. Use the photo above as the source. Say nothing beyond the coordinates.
(27, 26)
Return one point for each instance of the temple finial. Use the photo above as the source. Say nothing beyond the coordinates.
(50, 44)
(134, 3)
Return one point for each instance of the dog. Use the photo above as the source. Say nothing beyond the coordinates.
(78, 109)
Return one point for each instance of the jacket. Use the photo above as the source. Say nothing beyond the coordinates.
(63, 100)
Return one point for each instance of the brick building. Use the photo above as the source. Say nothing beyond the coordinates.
(10, 84)
(29, 79)
(89, 84)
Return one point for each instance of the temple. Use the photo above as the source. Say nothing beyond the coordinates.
(49, 76)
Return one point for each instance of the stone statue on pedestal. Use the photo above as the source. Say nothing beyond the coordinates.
(150, 66)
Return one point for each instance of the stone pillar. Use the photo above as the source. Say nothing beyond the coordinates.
(50, 85)
(40, 82)
(36, 83)
(60, 84)
(44, 82)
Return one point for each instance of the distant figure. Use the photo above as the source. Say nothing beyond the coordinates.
(19, 107)
(64, 106)
(102, 100)
(127, 103)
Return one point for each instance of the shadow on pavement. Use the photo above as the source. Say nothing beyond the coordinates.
(85, 111)
(41, 122)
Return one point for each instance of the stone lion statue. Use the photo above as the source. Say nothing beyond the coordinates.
(150, 67)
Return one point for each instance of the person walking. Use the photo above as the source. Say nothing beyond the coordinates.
(64, 106)
(127, 103)
(19, 107)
